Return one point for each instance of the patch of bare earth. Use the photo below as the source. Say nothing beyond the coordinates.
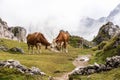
(80, 61)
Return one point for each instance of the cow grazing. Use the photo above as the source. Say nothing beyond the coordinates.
(36, 39)
(61, 41)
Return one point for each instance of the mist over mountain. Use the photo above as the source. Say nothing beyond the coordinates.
(51, 26)
(87, 28)
(92, 25)
(80, 18)
(114, 15)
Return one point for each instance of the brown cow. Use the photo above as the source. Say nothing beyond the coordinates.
(36, 39)
(61, 41)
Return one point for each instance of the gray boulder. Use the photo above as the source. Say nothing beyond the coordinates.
(23, 69)
(14, 33)
(16, 49)
(18, 32)
(3, 48)
(106, 32)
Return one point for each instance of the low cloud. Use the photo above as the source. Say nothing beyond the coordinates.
(50, 16)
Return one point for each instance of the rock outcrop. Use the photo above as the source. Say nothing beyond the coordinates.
(19, 32)
(106, 32)
(23, 69)
(14, 33)
(4, 33)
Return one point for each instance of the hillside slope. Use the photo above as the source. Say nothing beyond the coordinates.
(53, 64)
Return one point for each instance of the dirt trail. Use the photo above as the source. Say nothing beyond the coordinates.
(81, 60)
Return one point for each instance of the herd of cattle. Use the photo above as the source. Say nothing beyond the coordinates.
(58, 44)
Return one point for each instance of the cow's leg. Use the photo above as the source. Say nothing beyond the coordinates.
(65, 47)
(36, 50)
(28, 48)
(39, 47)
(32, 49)
(61, 46)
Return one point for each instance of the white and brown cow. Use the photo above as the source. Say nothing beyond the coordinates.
(61, 41)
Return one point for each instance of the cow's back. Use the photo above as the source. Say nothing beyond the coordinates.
(63, 36)
(37, 37)
(67, 36)
(43, 39)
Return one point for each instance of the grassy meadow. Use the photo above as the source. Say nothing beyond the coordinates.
(53, 64)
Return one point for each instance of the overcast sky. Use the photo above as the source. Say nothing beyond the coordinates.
(43, 15)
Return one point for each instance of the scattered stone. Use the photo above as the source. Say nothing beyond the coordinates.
(111, 63)
(16, 49)
(35, 70)
(23, 69)
(3, 48)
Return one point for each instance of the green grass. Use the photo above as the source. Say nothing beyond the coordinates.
(13, 74)
(106, 49)
(102, 51)
(49, 62)
(53, 64)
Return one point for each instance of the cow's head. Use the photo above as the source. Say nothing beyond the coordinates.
(55, 46)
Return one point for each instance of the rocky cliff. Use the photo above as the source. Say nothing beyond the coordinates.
(19, 32)
(14, 33)
(110, 47)
(106, 32)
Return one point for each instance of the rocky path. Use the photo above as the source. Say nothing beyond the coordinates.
(80, 61)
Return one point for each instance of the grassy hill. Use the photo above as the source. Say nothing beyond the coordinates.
(76, 41)
(53, 64)
(107, 49)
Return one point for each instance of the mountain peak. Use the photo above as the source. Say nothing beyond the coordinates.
(113, 13)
